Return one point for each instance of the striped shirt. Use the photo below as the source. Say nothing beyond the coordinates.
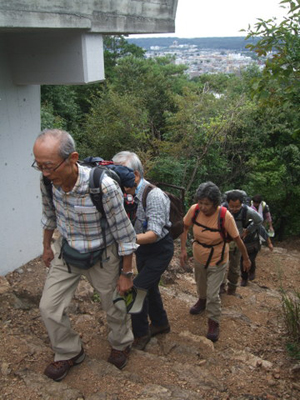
(78, 220)
(156, 216)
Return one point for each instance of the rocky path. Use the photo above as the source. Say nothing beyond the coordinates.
(248, 362)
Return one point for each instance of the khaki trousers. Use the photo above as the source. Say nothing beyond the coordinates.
(233, 267)
(208, 281)
(59, 289)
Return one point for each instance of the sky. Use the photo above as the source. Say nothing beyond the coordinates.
(220, 18)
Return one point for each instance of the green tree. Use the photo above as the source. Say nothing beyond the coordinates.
(115, 48)
(279, 84)
(70, 103)
(49, 120)
(154, 82)
(115, 122)
(131, 111)
(62, 100)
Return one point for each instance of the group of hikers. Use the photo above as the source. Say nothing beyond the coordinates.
(100, 246)
(239, 224)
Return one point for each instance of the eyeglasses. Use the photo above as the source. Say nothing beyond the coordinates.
(45, 168)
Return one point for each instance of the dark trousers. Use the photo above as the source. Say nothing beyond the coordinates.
(252, 269)
(152, 260)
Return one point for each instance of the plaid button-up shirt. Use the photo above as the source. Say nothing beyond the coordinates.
(156, 215)
(78, 220)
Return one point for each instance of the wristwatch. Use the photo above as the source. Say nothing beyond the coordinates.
(128, 274)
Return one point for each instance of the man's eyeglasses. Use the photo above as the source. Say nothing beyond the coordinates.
(45, 168)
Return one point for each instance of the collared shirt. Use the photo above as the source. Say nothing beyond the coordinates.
(156, 215)
(78, 220)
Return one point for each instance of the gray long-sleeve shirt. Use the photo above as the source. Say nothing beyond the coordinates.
(252, 220)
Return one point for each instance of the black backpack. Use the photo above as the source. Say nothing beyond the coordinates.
(124, 176)
(176, 207)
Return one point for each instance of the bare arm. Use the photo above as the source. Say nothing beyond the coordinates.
(270, 244)
(183, 240)
(145, 238)
(246, 261)
(47, 253)
(125, 283)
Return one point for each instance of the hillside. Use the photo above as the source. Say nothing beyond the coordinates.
(212, 43)
(248, 362)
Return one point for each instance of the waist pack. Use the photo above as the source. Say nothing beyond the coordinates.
(77, 259)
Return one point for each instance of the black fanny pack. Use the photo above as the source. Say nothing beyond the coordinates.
(77, 259)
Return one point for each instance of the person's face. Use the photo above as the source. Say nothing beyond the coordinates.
(206, 206)
(234, 206)
(53, 166)
(256, 204)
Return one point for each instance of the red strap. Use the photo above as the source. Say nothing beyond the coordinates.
(196, 212)
(221, 220)
(104, 162)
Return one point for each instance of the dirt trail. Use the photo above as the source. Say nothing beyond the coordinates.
(248, 362)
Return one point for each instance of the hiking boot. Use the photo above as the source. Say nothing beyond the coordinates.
(213, 330)
(141, 342)
(222, 289)
(119, 357)
(57, 370)
(231, 290)
(156, 330)
(198, 307)
(244, 282)
(252, 276)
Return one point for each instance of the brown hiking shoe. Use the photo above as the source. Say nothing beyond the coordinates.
(119, 357)
(213, 330)
(157, 330)
(141, 342)
(198, 307)
(57, 370)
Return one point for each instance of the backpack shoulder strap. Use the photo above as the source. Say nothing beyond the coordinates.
(96, 177)
(49, 188)
(206, 228)
(244, 215)
(147, 190)
(196, 212)
(221, 221)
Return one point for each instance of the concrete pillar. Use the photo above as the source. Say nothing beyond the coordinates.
(20, 232)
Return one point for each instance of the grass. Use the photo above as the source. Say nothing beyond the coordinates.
(96, 297)
(291, 316)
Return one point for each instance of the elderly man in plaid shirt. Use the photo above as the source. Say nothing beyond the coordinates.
(154, 253)
(73, 213)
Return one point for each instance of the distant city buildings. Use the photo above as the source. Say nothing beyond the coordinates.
(205, 61)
